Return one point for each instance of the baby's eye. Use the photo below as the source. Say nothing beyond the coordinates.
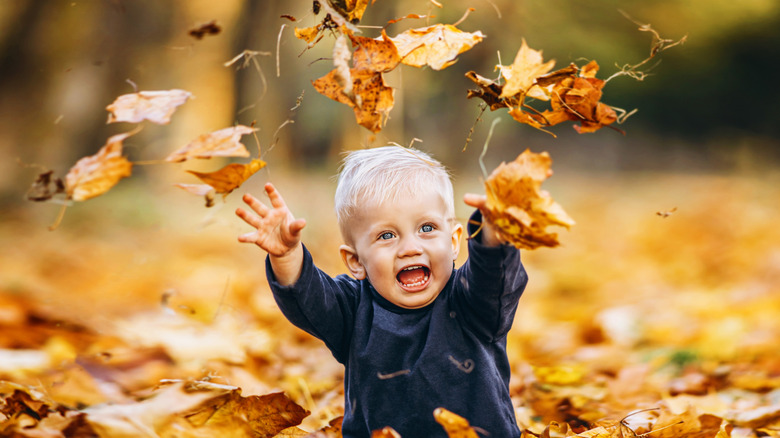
(386, 236)
(427, 228)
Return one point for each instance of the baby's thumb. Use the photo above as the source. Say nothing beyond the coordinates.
(296, 226)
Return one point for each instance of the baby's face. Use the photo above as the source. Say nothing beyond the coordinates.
(406, 248)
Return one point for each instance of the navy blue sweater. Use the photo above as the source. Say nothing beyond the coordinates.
(401, 364)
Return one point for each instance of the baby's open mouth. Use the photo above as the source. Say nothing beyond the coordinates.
(413, 277)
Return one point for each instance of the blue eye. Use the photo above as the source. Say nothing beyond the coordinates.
(386, 236)
(427, 228)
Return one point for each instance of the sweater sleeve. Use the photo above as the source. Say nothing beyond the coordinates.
(489, 285)
(318, 304)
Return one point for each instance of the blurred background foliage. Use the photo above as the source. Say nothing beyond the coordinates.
(707, 105)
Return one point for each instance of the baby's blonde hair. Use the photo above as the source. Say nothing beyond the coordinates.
(370, 176)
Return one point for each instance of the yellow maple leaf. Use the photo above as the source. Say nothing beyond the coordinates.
(155, 106)
(436, 46)
(94, 175)
(518, 208)
(230, 177)
(521, 75)
(308, 34)
(222, 143)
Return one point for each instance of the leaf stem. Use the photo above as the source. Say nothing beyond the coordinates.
(485, 147)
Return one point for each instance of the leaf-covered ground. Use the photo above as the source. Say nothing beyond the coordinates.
(147, 318)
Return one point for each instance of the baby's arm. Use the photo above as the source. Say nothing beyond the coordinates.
(489, 236)
(277, 232)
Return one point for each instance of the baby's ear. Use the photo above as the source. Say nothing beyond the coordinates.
(457, 233)
(350, 258)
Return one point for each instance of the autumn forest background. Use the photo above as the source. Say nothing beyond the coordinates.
(664, 295)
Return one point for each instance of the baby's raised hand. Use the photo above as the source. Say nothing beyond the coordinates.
(277, 230)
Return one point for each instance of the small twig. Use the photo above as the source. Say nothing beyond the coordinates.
(250, 56)
(133, 84)
(463, 18)
(278, 43)
(657, 46)
(482, 108)
(498, 11)
(58, 220)
(485, 147)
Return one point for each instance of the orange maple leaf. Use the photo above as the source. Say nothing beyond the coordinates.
(363, 88)
(578, 99)
(518, 208)
(155, 106)
(521, 75)
(94, 175)
(230, 177)
(436, 46)
(222, 143)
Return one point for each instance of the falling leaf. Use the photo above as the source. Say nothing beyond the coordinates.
(222, 143)
(155, 106)
(204, 190)
(351, 10)
(579, 98)
(436, 46)
(521, 75)
(231, 176)
(308, 34)
(45, 187)
(374, 54)
(94, 175)
(518, 208)
(369, 97)
(210, 28)
(455, 425)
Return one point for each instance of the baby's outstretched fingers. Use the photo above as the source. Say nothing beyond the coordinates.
(255, 204)
(276, 198)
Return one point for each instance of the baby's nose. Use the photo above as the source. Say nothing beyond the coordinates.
(410, 246)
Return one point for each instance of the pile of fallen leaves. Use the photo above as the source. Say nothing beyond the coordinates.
(641, 324)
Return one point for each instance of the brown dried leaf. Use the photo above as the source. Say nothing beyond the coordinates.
(332, 430)
(436, 46)
(265, 415)
(521, 75)
(155, 106)
(45, 187)
(94, 175)
(222, 143)
(455, 425)
(231, 176)
(351, 10)
(374, 54)
(210, 28)
(373, 98)
(518, 208)
(149, 417)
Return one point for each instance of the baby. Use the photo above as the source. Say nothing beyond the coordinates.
(413, 332)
